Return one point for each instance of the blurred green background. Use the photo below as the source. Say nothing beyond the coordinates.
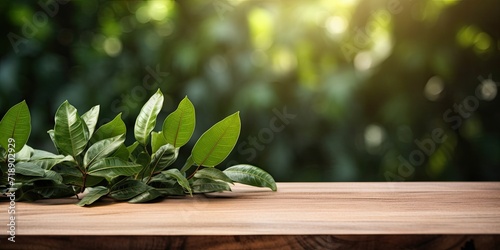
(333, 90)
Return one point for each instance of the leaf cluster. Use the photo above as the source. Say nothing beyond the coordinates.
(97, 161)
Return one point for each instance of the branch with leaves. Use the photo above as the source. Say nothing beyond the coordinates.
(97, 160)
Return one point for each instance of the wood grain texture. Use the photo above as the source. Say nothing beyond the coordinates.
(439, 215)
(282, 242)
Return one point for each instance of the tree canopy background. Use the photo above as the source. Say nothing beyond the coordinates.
(333, 90)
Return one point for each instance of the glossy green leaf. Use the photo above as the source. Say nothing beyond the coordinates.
(48, 175)
(146, 120)
(178, 127)
(212, 173)
(163, 158)
(176, 174)
(132, 147)
(113, 167)
(122, 153)
(42, 154)
(128, 189)
(90, 118)
(166, 185)
(53, 139)
(157, 140)
(134, 151)
(16, 125)
(49, 163)
(251, 175)
(94, 194)
(217, 142)
(24, 154)
(29, 169)
(149, 195)
(102, 149)
(47, 190)
(111, 129)
(72, 176)
(53, 176)
(143, 159)
(207, 185)
(176, 190)
(70, 131)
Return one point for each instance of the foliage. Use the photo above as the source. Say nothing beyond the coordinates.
(98, 160)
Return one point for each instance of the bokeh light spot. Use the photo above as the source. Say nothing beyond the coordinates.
(142, 14)
(363, 61)
(112, 46)
(488, 90)
(158, 10)
(482, 41)
(434, 88)
(336, 25)
(374, 136)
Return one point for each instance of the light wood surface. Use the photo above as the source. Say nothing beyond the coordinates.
(423, 215)
(296, 209)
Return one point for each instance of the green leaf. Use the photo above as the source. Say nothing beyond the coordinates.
(3, 155)
(157, 140)
(143, 159)
(146, 120)
(212, 173)
(134, 151)
(146, 196)
(132, 147)
(188, 164)
(111, 129)
(72, 176)
(47, 189)
(166, 185)
(70, 132)
(42, 154)
(251, 175)
(53, 176)
(217, 142)
(176, 174)
(25, 153)
(122, 153)
(176, 190)
(29, 169)
(90, 118)
(53, 139)
(94, 194)
(101, 149)
(48, 175)
(207, 185)
(49, 163)
(16, 124)
(113, 167)
(178, 127)
(164, 157)
(128, 189)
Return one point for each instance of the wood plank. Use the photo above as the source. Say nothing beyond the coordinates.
(382, 242)
(436, 208)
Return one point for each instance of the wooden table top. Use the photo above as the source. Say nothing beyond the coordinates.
(295, 209)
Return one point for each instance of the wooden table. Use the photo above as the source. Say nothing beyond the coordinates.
(418, 215)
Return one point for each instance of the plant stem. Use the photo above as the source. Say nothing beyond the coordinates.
(84, 179)
(191, 176)
(84, 176)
